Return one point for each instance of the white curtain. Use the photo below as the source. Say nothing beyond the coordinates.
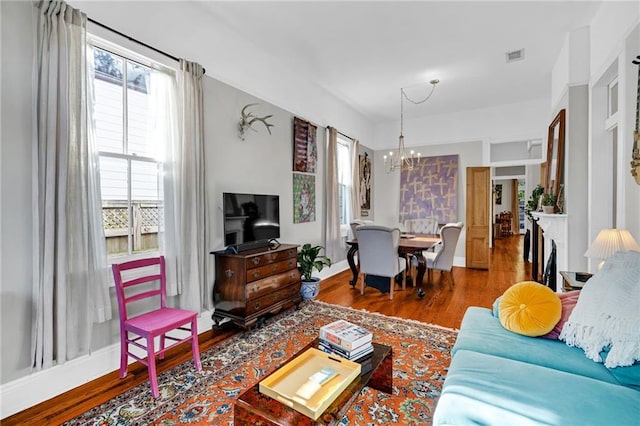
(355, 181)
(333, 243)
(70, 272)
(185, 195)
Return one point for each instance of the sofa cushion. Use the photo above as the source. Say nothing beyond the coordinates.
(568, 301)
(485, 389)
(481, 332)
(529, 308)
(607, 313)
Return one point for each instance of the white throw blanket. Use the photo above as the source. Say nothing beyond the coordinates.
(608, 313)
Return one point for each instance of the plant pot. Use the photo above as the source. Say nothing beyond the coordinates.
(547, 209)
(310, 289)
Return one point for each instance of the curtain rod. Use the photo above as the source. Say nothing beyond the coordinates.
(136, 41)
(340, 133)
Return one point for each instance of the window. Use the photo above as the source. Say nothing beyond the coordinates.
(130, 158)
(344, 181)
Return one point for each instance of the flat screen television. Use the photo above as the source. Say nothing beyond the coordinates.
(250, 220)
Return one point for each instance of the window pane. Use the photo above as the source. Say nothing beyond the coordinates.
(145, 201)
(139, 124)
(108, 111)
(115, 211)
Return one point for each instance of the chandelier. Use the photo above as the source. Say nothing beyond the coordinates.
(400, 160)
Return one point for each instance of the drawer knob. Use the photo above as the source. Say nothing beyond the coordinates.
(256, 260)
(256, 274)
(229, 273)
(257, 305)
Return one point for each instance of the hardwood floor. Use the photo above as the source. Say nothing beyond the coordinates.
(441, 305)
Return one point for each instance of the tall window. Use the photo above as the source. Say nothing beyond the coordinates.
(130, 159)
(344, 181)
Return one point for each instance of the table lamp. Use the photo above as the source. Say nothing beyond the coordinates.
(610, 241)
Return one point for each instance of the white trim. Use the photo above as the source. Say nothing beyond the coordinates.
(31, 390)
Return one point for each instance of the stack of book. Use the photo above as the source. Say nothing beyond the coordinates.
(346, 340)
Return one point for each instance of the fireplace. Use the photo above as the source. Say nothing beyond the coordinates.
(555, 228)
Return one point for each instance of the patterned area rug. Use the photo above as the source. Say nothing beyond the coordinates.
(421, 355)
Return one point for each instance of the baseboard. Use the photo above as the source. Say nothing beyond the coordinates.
(40, 386)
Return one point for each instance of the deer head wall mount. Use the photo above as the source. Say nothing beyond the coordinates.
(248, 118)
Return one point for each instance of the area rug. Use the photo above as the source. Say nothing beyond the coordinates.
(421, 355)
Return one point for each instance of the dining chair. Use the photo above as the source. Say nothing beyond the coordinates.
(378, 254)
(358, 222)
(442, 258)
(427, 225)
(146, 279)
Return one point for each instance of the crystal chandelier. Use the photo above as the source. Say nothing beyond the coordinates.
(399, 159)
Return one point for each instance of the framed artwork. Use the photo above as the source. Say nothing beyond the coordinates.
(430, 189)
(305, 150)
(499, 194)
(304, 198)
(365, 184)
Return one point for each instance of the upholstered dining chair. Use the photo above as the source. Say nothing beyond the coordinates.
(442, 258)
(358, 222)
(378, 254)
(427, 225)
(146, 279)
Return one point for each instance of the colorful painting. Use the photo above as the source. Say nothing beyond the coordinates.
(305, 150)
(365, 185)
(499, 194)
(430, 189)
(304, 198)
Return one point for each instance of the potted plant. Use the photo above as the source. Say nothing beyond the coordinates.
(309, 258)
(532, 204)
(548, 203)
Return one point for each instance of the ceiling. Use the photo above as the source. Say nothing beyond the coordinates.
(363, 52)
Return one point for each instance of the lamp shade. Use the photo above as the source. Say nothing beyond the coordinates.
(610, 241)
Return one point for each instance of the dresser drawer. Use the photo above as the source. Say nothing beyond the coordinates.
(270, 257)
(267, 285)
(270, 269)
(267, 301)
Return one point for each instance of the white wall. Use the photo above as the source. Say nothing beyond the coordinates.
(505, 205)
(513, 122)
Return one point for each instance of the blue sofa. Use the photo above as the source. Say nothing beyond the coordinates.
(497, 377)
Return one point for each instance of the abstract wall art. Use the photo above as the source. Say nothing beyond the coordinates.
(430, 189)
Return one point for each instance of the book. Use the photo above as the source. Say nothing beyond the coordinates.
(342, 351)
(360, 352)
(345, 335)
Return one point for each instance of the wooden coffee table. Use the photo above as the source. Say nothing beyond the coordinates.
(253, 408)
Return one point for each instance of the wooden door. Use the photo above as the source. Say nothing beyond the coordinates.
(478, 217)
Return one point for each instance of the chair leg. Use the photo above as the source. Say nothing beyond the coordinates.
(392, 284)
(404, 279)
(124, 354)
(161, 355)
(151, 365)
(452, 283)
(194, 344)
(364, 277)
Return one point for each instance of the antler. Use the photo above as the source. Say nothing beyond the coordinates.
(248, 118)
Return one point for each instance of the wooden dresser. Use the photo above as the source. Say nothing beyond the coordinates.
(253, 283)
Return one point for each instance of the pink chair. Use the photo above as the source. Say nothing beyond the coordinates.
(151, 324)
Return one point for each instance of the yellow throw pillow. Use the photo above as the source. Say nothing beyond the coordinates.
(529, 308)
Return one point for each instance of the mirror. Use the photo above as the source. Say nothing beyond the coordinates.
(555, 156)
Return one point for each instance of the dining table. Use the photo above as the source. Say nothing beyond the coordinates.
(410, 244)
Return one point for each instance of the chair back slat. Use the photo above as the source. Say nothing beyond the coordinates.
(140, 296)
(141, 280)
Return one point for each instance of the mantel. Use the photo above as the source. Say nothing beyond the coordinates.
(553, 225)
(556, 228)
